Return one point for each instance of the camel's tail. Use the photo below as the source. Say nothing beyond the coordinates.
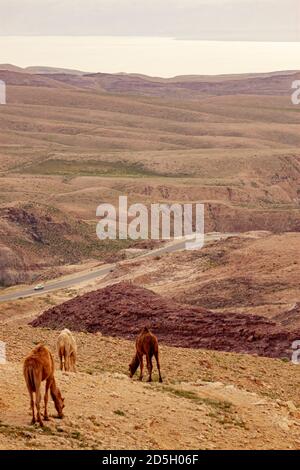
(30, 378)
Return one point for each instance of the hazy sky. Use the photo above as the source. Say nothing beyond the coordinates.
(203, 19)
(149, 55)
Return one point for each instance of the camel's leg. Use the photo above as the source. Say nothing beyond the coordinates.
(48, 383)
(73, 360)
(67, 362)
(38, 405)
(140, 356)
(32, 406)
(149, 366)
(71, 363)
(158, 365)
(61, 360)
(64, 360)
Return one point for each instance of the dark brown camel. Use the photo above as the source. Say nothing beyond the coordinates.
(146, 344)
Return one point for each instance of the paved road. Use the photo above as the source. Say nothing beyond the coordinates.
(79, 278)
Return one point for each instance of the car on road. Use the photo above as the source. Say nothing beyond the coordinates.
(39, 287)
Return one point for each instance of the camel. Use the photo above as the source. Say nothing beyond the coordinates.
(146, 344)
(39, 366)
(67, 351)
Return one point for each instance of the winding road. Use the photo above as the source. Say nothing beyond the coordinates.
(79, 278)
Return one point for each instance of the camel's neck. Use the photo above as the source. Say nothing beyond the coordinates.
(55, 395)
(53, 389)
(135, 363)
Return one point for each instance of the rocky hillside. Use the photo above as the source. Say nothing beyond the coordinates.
(36, 238)
(254, 273)
(123, 309)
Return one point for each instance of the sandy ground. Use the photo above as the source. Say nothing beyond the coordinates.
(208, 400)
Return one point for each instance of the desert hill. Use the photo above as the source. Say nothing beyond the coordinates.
(38, 69)
(36, 240)
(257, 273)
(123, 309)
(188, 87)
(71, 141)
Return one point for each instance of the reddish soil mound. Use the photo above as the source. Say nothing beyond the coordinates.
(123, 309)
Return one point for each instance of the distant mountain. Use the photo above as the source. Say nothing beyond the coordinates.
(39, 70)
(66, 71)
(181, 87)
(50, 70)
(11, 68)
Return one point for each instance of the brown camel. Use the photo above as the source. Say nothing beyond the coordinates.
(146, 344)
(39, 366)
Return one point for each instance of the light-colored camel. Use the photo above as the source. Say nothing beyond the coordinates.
(39, 366)
(67, 351)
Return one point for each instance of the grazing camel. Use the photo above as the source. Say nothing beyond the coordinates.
(39, 366)
(67, 351)
(146, 344)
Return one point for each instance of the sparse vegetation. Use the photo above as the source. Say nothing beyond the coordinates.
(119, 412)
(73, 168)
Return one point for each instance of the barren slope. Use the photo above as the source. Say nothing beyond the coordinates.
(258, 273)
(38, 240)
(221, 401)
(72, 141)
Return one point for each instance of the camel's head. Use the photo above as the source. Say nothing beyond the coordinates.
(130, 370)
(59, 403)
(133, 366)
